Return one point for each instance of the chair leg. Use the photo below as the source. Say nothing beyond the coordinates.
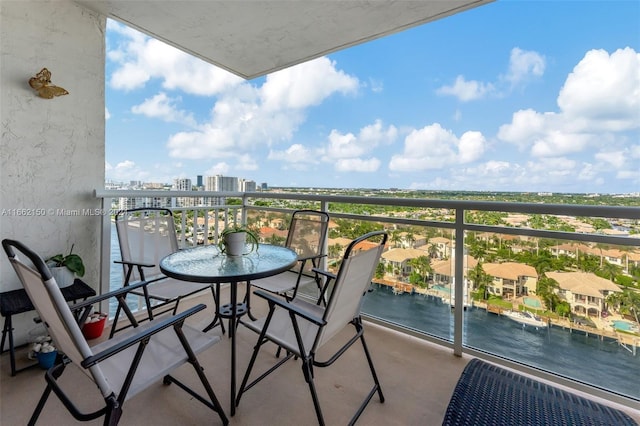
(216, 318)
(114, 412)
(372, 368)
(245, 379)
(307, 369)
(56, 372)
(214, 403)
(247, 301)
(40, 406)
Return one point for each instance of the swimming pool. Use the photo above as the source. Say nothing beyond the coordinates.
(624, 325)
(532, 302)
(441, 288)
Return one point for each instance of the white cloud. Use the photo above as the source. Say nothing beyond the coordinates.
(466, 90)
(633, 175)
(125, 165)
(295, 154)
(556, 143)
(209, 143)
(250, 116)
(107, 115)
(221, 168)
(369, 137)
(377, 86)
(599, 100)
(163, 107)
(615, 159)
(523, 65)
(305, 85)
(247, 163)
(375, 134)
(357, 165)
(346, 151)
(433, 147)
(124, 171)
(344, 146)
(603, 91)
(471, 146)
(139, 58)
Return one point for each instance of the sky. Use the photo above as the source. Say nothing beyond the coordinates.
(539, 96)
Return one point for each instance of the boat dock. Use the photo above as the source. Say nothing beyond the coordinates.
(629, 342)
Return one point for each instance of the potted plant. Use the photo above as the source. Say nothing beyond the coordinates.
(234, 238)
(65, 268)
(44, 351)
(93, 327)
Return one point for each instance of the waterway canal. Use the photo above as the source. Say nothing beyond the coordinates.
(588, 359)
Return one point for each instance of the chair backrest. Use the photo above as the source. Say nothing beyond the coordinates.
(352, 282)
(53, 309)
(307, 235)
(146, 235)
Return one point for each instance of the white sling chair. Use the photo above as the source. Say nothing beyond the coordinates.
(120, 367)
(146, 235)
(306, 236)
(302, 328)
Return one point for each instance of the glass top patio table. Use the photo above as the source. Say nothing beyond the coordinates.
(207, 264)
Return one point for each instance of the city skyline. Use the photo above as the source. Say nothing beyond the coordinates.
(511, 96)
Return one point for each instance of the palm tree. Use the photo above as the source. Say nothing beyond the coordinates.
(422, 266)
(480, 280)
(627, 302)
(335, 250)
(396, 237)
(609, 270)
(410, 238)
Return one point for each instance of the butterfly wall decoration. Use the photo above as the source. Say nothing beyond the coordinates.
(42, 84)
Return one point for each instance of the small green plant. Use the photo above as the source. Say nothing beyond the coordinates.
(252, 236)
(72, 261)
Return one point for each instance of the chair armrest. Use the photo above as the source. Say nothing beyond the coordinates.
(158, 325)
(315, 256)
(100, 297)
(284, 304)
(144, 265)
(327, 274)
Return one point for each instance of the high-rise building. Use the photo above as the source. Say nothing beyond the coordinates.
(182, 185)
(220, 183)
(247, 185)
(199, 182)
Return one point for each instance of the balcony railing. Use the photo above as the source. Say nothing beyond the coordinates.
(445, 315)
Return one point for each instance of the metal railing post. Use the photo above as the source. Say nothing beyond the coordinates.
(460, 283)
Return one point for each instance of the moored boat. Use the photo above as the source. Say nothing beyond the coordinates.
(526, 318)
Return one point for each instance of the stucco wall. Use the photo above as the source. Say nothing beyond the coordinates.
(52, 151)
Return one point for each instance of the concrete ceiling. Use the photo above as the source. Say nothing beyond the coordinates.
(254, 38)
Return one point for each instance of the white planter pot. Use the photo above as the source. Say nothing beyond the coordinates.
(63, 276)
(234, 243)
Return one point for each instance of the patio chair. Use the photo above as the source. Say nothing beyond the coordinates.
(306, 236)
(120, 367)
(302, 328)
(146, 235)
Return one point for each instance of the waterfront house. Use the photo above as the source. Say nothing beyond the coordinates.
(443, 269)
(585, 292)
(511, 279)
(623, 259)
(398, 260)
(444, 246)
